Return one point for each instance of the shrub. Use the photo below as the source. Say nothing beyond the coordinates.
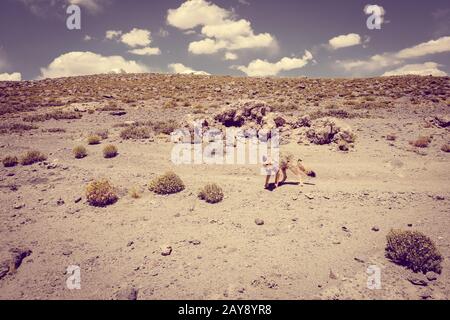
(421, 142)
(164, 127)
(167, 183)
(414, 250)
(101, 193)
(79, 152)
(15, 128)
(446, 147)
(32, 157)
(10, 161)
(211, 193)
(93, 139)
(135, 132)
(110, 151)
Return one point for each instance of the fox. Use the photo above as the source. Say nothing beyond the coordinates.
(287, 162)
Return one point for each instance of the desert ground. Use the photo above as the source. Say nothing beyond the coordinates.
(312, 241)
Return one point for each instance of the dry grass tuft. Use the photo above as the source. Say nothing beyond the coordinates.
(421, 142)
(211, 193)
(32, 157)
(167, 183)
(93, 139)
(110, 151)
(101, 193)
(79, 152)
(10, 161)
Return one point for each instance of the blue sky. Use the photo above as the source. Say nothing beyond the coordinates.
(322, 38)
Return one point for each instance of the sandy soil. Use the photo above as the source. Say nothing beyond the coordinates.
(317, 240)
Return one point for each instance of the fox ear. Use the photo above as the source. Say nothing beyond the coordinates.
(264, 158)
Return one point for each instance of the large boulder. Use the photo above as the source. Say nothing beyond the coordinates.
(328, 130)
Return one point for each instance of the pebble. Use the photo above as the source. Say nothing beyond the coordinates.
(259, 221)
(418, 280)
(127, 294)
(166, 251)
(431, 275)
(375, 228)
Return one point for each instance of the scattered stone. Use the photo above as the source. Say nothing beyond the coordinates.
(309, 196)
(375, 228)
(127, 294)
(118, 113)
(333, 275)
(60, 202)
(409, 224)
(259, 221)
(439, 198)
(4, 269)
(19, 206)
(431, 276)
(130, 243)
(166, 251)
(359, 259)
(67, 252)
(195, 242)
(77, 200)
(418, 280)
(17, 256)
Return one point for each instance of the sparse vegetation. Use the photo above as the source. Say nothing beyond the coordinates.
(134, 192)
(110, 151)
(421, 142)
(10, 161)
(135, 132)
(79, 152)
(55, 115)
(32, 157)
(103, 134)
(211, 193)
(413, 250)
(15, 128)
(93, 139)
(101, 193)
(164, 127)
(167, 183)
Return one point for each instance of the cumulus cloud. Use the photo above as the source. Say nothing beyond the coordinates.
(86, 63)
(137, 38)
(389, 59)
(420, 69)
(113, 34)
(147, 51)
(230, 56)
(219, 28)
(343, 41)
(182, 69)
(16, 76)
(263, 68)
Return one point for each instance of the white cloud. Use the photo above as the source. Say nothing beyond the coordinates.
(390, 59)
(44, 7)
(230, 56)
(219, 27)
(193, 13)
(137, 38)
(16, 76)
(264, 68)
(182, 69)
(87, 63)
(343, 41)
(147, 51)
(421, 69)
(113, 34)
(431, 47)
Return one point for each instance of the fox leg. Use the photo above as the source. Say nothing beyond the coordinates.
(297, 171)
(267, 181)
(284, 175)
(277, 177)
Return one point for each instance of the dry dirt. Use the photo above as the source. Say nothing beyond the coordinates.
(317, 240)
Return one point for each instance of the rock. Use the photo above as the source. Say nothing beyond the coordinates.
(166, 251)
(332, 275)
(439, 198)
(19, 206)
(130, 243)
(426, 294)
(195, 242)
(4, 269)
(60, 202)
(67, 252)
(118, 113)
(18, 255)
(309, 196)
(359, 259)
(77, 200)
(303, 121)
(375, 228)
(418, 280)
(327, 130)
(431, 276)
(259, 221)
(127, 294)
